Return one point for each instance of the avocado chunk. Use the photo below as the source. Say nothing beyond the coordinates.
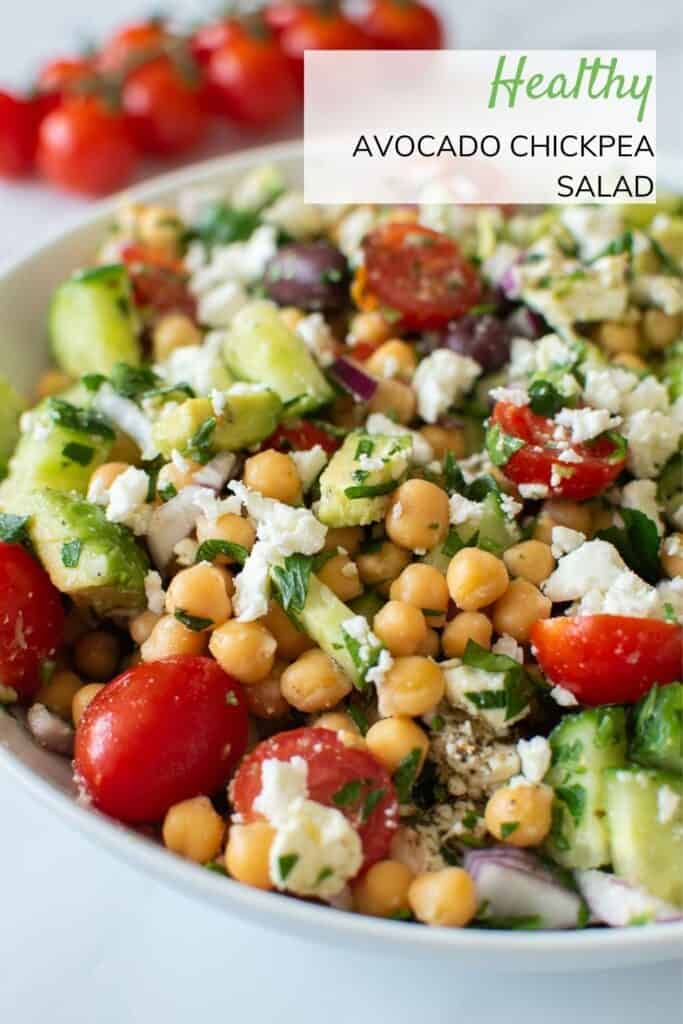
(11, 407)
(248, 415)
(658, 729)
(95, 562)
(645, 821)
(583, 746)
(92, 322)
(260, 348)
(355, 486)
(60, 447)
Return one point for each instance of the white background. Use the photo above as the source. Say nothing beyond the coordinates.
(85, 940)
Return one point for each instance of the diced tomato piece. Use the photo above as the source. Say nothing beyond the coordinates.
(300, 436)
(160, 284)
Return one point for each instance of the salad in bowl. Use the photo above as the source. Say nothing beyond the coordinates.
(341, 551)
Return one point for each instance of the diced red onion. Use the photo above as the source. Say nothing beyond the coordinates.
(361, 385)
(509, 282)
(216, 473)
(49, 730)
(525, 323)
(172, 522)
(617, 903)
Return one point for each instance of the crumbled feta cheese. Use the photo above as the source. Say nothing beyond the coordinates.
(667, 804)
(606, 388)
(671, 593)
(219, 401)
(565, 698)
(309, 465)
(594, 565)
(534, 492)
(252, 584)
(464, 684)
(286, 529)
(652, 438)
(377, 673)
(515, 396)
(535, 755)
(422, 451)
(315, 852)
(128, 500)
(552, 351)
(350, 570)
(565, 540)
(465, 511)
(128, 417)
(509, 506)
(318, 338)
(217, 306)
(440, 380)
(397, 510)
(673, 545)
(368, 463)
(298, 218)
(282, 783)
(200, 366)
(627, 595)
(642, 496)
(154, 592)
(569, 455)
(662, 290)
(351, 231)
(649, 393)
(522, 358)
(508, 646)
(585, 424)
(185, 551)
(98, 492)
(593, 227)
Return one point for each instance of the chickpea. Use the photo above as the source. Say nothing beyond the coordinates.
(424, 587)
(228, 581)
(446, 898)
(247, 854)
(617, 337)
(336, 721)
(274, 475)
(418, 515)
(292, 317)
(140, 627)
(169, 638)
(672, 555)
(245, 650)
(431, 646)
(520, 815)
(661, 329)
(383, 890)
(401, 627)
(393, 359)
(395, 398)
(532, 560)
(265, 700)
(96, 655)
(369, 328)
(569, 514)
(314, 682)
(200, 592)
(393, 739)
(82, 698)
(291, 642)
(476, 579)
(340, 574)
(174, 331)
(51, 382)
(193, 830)
(347, 537)
(178, 476)
(602, 517)
(444, 441)
(159, 227)
(58, 692)
(380, 567)
(411, 687)
(103, 477)
(629, 362)
(463, 627)
(519, 608)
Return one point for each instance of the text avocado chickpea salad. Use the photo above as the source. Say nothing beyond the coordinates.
(343, 550)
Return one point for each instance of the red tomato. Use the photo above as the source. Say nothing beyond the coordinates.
(160, 284)
(209, 38)
(323, 28)
(164, 108)
(162, 732)
(83, 146)
(31, 619)
(419, 273)
(251, 81)
(132, 44)
(402, 25)
(534, 463)
(280, 16)
(608, 659)
(301, 436)
(64, 74)
(18, 135)
(331, 765)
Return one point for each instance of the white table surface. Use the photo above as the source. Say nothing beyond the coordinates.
(85, 939)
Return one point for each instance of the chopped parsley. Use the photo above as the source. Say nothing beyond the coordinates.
(516, 690)
(132, 381)
(574, 797)
(637, 542)
(348, 794)
(545, 399)
(507, 828)
(286, 864)
(200, 445)
(501, 446)
(80, 453)
(292, 580)
(194, 622)
(167, 492)
(406, 774)
(71, 553)
(209, 550)
(370, 803)
(359, 718)
(85, 421)
(13, 528)
(371, 490)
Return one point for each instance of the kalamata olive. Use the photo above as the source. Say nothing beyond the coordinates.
(481, 337)
(310, 275)
(524, 323)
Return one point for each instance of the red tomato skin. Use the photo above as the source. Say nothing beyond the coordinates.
(330, 765)
(18, 135)
(534, 463)
(608, 659)
(63, 75)
(31, 619)
(301, 437)
(251, 82)
(164, 111)
(159, 283)
(278, 17)
(131, 44)
(401, 25)
(162, 732)
(84, 147)
(209, 38)
(316, 29)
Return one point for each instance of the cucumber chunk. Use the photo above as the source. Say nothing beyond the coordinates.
(11, 407)
(260, 348)
(92, 322)
(355, 486)
(658, 729)
(645, 819)
(583, 746)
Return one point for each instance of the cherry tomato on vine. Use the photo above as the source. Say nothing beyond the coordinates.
(31, 620)
(278, 17)
(251, 82)
(323, 28)
(18, 135)
(164, 108)
(131, 44)
(402, 25)
(64, 75)
(84, 146)
(209, 38)
(162, 732)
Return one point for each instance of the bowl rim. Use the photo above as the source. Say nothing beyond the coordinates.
(661, 941)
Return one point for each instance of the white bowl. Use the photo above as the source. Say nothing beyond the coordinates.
(25, 290)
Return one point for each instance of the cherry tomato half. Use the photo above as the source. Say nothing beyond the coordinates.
(324, 28)
(420, 274)
(402, 25)
(331, 766)
(251, 82)
(538, 461)
(132, 44)
(301, 436)
(164, 108)
(18, 135)
(160, 284)
(31, 619)
(83, 146)
(608, 659)
(162, 732)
